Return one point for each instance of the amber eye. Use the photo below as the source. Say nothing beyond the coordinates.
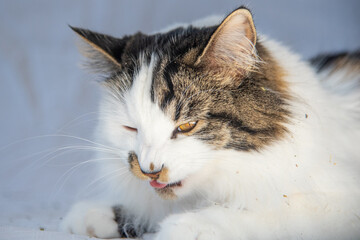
(186, 127)
(130, 128)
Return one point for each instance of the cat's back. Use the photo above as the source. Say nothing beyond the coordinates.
(339, 72)
(339, 76)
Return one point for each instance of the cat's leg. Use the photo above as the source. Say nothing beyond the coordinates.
(226, 224)
(216, 223)
(207, 224)
(92, 219)
(192, 226)
(99, 220)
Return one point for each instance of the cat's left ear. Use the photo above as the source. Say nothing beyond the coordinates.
(231, 48)
(103, 52)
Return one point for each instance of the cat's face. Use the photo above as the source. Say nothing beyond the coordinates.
(177, 99)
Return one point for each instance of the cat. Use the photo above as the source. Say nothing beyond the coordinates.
(220, 133)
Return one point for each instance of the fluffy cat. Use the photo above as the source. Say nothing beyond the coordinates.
(219, 133)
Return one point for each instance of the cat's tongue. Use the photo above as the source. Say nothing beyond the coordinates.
(156, 184)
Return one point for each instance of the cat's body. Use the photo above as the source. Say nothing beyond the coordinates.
(255, 143)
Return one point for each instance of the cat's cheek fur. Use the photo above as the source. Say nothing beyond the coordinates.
(186, 157)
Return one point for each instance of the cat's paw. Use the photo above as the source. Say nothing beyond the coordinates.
(189, 226)
(92, 220)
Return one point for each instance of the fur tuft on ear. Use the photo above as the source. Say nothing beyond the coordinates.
(231, 48)
(102, 51)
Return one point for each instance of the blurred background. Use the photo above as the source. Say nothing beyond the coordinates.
(48, 104)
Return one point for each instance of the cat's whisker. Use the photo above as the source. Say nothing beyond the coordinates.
(34, 154)
(122, 170)
(64, 177)
(66, 125)
(83, 163)
(119, 173)
(54, 136)
(57, 152)
(63, 150)
(89, 141)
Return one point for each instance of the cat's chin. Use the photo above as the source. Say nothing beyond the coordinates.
(166, 191)
(177, 190)
(158, 185)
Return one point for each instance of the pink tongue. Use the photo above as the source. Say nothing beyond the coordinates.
(155, 184)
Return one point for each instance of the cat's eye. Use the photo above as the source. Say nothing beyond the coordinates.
(130, 128)
(186, 127)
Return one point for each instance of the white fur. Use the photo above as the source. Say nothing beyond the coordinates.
(88, 219)
(304, 187)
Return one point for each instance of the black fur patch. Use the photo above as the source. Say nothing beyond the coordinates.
(169, 70)
(324, 61)
(126, 226)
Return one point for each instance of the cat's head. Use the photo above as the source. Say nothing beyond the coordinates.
(176, 99)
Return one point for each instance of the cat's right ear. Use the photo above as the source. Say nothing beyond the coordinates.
(231, 48)
(103, 51)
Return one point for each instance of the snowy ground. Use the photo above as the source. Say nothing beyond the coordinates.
(48, 104)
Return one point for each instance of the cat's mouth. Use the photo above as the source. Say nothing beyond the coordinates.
(158, 185)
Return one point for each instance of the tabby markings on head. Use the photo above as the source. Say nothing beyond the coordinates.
(218, 83)
(219, 75)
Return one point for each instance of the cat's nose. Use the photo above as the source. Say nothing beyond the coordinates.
(153, 174)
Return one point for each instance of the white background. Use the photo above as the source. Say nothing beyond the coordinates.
(45, 98)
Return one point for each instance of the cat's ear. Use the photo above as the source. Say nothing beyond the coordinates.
(231, 48)
(103, 51)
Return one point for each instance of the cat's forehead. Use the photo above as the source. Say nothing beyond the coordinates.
(162, 84)
(178, 45)
(144, 113)
(168, 58)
